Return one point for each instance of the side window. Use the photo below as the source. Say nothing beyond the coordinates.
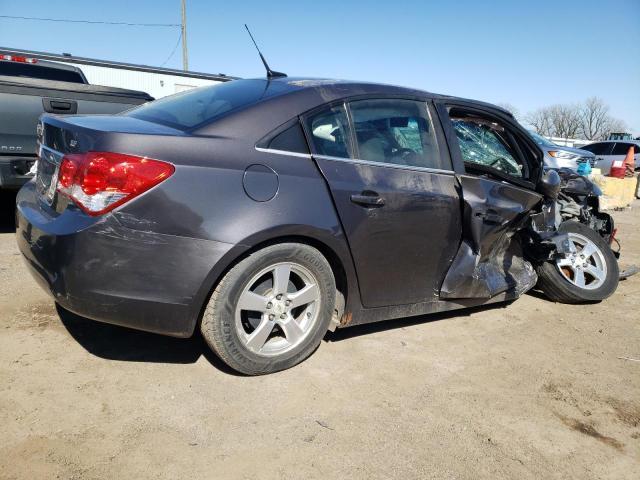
(486, 143)
(589, 148)
(621, 148)
(599, 148)
(398, 132)
(329, 131)
(290, 140)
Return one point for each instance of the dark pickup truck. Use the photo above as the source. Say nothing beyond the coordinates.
(30, 87)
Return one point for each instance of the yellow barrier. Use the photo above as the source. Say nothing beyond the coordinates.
(616, 192)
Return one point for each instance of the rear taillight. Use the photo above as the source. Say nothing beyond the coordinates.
(18, 58)
(101, 181)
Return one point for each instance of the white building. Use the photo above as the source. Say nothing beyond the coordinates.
(156, 81)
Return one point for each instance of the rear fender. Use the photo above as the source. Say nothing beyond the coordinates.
(331, 244)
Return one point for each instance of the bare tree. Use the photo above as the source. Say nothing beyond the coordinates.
(555, 121)
(565, 120)
(613, 125)
(510, 108)
(540, 121)
(595, 118)
(590, 120)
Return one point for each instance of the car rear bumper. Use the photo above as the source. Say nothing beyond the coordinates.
(99, 269)
(14, 171)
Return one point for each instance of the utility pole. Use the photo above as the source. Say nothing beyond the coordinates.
(185, 54)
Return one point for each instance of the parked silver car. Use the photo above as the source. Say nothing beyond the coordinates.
(557, 156)
(608, 151)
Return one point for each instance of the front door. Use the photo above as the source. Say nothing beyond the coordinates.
(498, 173)
(395, 193)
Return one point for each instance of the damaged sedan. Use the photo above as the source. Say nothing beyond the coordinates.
(266, 212)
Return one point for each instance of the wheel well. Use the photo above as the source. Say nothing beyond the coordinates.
(335, 263)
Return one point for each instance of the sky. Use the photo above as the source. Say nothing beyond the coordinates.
(528, 54)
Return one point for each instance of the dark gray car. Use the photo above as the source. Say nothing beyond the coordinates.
(266, 212)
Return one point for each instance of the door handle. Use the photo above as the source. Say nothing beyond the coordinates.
(53, 105)
(368, 199)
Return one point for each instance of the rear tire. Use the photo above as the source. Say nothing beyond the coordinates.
(271, 310)
(591, 277)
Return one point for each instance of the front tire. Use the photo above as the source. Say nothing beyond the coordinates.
(271, 310)
(590, 274)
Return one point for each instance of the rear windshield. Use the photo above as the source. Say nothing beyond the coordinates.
(192, 108)
(26, 70)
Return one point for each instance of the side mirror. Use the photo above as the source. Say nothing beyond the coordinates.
(549, 184)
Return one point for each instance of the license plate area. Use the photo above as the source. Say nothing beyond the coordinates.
(48, 166)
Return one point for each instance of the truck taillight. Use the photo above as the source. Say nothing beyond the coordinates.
(18, 58)
(101, 181)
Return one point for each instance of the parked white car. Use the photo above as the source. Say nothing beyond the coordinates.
(609, 151)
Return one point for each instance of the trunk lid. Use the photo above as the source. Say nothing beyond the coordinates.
(58, 136)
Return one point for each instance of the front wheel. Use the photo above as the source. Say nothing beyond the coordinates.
(271, 310)
(589, 274)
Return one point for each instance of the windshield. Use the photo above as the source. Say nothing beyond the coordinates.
(195, 107)
(540, 140)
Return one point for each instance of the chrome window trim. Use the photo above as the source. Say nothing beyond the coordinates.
(356, 161)
(283, 152)
(383, 164)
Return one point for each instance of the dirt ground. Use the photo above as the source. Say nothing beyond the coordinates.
(529, 390)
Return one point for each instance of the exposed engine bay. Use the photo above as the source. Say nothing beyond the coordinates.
(579, 200)
(575, 198)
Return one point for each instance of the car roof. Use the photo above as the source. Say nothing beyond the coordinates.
(635, 142)
(284, 98)
(337, 88)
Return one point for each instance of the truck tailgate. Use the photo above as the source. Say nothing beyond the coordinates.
(23, 100)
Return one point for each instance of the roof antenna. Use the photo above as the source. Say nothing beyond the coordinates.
(270, 73)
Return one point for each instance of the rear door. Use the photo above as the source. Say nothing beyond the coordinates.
(395, 192)
(498, 167)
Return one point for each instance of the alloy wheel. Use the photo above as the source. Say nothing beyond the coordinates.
(585, 266)
(277, 308)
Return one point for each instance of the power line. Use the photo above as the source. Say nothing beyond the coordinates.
(42, 19)
(173, 51)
